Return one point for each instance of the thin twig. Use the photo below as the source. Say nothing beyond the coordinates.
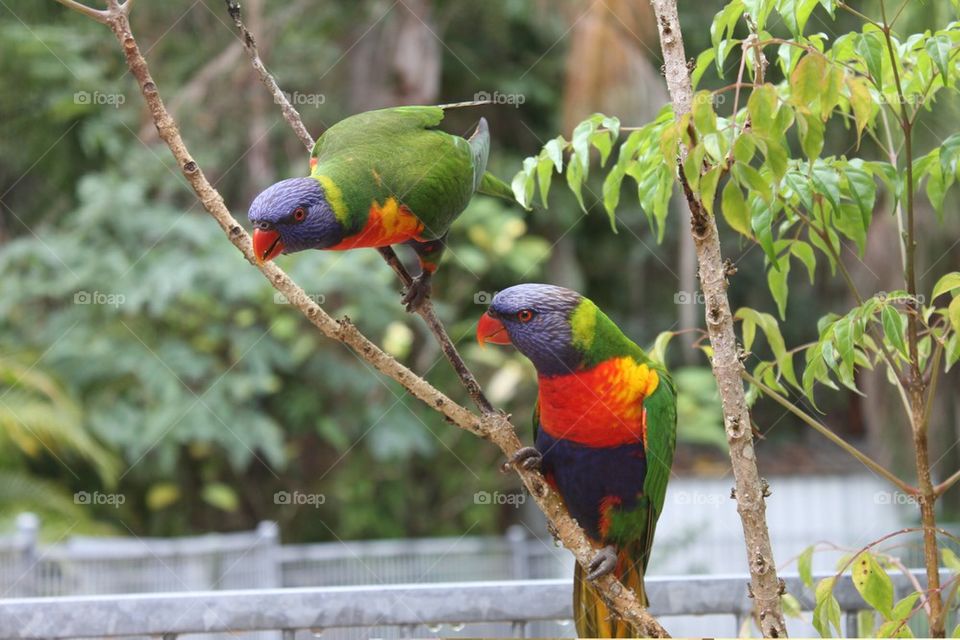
(425, 310)
(871, 464)
(495, 427)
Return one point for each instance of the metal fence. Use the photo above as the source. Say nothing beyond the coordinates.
(505, 609)
(256, 560)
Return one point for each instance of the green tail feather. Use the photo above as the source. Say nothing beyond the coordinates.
(592, 617)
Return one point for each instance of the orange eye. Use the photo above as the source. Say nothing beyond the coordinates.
(525, 315)
(299, 214)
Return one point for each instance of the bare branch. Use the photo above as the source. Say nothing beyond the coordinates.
(250, 44)
(103, 17)
(494, 426)
(727, 367)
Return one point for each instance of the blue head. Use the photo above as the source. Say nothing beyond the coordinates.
(537, 320)
(293, 215)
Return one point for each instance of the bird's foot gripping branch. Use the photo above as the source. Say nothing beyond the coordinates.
(491, 425)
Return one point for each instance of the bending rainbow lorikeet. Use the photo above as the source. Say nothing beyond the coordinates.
(376, 179)
(605, 432)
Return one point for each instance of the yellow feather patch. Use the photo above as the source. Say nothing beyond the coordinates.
(334, 197)
(583, 323)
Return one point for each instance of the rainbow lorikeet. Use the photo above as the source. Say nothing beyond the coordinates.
(605, 431)
(376, 179)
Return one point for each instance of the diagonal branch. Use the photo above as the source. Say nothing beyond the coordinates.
(727, 367)
(425, 310)
(867, 461)
(493, 426)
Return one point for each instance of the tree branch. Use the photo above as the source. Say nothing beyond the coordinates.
(726, 365)
(425, 311)
(494, 426)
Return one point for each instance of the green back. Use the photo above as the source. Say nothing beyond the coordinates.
(398, 152)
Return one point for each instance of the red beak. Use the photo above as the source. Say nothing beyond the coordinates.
(490, 329)
(267, 245)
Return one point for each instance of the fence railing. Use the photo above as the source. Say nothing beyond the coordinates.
(403, 610)
(83, 565)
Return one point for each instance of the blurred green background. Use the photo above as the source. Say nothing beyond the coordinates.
(139, 353)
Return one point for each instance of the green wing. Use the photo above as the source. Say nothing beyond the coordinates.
(400, 153)
(661, 409)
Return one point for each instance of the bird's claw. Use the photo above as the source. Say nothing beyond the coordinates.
(602, 564)
(525, 458)
(418, 292)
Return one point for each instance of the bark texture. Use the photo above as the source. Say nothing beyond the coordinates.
(727, 369)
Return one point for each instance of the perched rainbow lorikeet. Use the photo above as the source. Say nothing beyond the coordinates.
(605, 432)
(376, 179)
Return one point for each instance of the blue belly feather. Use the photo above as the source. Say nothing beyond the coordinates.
(585, 476)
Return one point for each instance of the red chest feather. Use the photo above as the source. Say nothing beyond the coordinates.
(600, 407)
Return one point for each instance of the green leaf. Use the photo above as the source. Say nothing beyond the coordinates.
(862, 189)
(708, 188)
(808, 80)
(524, 182)
(893, 324)
(953, 312)
(753, 181)
(602, 141)
(777, 281)
(554, 149)
(870, 48)
(861, 101)
(830, 95)
(804, 252)
(704, 117)
(611, 192)
(752, 318)
(905, 607)
(545, 168)
(826, 613)
(795, 14)
(939, 49)
(220, 496)
(791, 606)
(949, 282)
(827, 182)
(575, 182)
(658, 353)
(762, 107)
(162, 495)
(866, 621)
(810, 128)
(734, 208)
(805, 566)
(703, 61)
(873, 583)
(762, 225)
